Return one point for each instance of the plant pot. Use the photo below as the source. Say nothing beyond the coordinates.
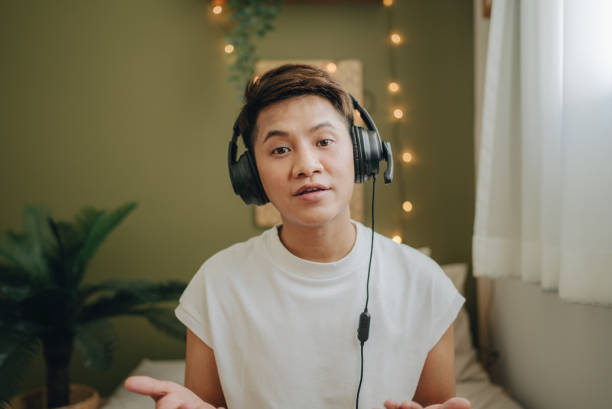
(81, 397)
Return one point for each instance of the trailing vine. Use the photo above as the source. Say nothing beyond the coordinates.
(252, 18)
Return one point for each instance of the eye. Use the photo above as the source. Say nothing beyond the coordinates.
(280, 150)
(325, 142)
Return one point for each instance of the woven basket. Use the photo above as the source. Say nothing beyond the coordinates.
(81, 397)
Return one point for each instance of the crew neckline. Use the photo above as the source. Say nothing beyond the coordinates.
(288, 262)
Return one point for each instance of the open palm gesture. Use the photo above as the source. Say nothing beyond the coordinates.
(452, 403)
(166, 394)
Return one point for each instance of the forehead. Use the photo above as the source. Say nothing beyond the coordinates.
(297, 113)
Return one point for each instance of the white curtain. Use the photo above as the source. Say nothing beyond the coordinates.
(544, 187)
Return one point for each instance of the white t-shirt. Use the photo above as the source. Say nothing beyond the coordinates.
(284, 329)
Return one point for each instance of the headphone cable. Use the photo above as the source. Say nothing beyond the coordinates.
(364, 319)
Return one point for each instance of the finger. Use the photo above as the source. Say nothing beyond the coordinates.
(410, 405)
(146, 385)
(169, 402)
(390, 404)
(457, 403)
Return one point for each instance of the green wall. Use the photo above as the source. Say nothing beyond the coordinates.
(104, 102)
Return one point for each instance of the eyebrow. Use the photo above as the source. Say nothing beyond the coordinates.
(284, 133)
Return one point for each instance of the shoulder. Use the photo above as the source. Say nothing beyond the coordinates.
(231, 260)
(235, 253)
(405, 256)
(409, 266)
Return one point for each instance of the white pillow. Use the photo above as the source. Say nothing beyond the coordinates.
(467, 367)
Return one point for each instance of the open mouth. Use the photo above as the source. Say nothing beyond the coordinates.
(316, 189)
(311, 189)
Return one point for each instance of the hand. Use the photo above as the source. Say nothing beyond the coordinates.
(452, 403)
(166, 394)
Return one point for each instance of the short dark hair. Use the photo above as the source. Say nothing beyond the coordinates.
(287, 81)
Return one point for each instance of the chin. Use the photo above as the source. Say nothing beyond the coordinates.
(316, 217)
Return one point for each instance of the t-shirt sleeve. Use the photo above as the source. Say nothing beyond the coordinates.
(193, 309)
(446, 303)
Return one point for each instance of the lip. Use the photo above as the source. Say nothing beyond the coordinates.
(312, 197)
(309, 187)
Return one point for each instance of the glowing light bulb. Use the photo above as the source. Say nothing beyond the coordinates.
(397, 238)
(406, 157)
(396, 38)
(229, 49)
(331, 67)
(393, 87)
(388, 3)
(217, 10)
(407, 206)
(398, 113)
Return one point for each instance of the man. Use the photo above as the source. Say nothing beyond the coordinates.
(271, 321)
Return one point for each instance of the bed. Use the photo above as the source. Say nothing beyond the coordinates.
(473, 382)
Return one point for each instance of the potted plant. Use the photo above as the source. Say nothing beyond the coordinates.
(43, 300)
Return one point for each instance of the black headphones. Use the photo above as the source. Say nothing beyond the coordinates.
(368, 151)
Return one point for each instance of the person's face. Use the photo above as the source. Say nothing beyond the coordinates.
(303, 143)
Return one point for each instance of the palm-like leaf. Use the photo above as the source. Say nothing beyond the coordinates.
(26, 251)
(96, 225)
(12, 320)
(95, 341)
(126, 296)
(164, 320)
(14, 283)
(15, 355)
(51, 308)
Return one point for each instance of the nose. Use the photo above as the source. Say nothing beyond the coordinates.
(306, 163)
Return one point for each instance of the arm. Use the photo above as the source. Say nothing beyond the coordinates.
(437, 382)
(201, 375)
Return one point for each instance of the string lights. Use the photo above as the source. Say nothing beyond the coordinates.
(393, 87)
(396, 39)
(331, 67)
(398, 113)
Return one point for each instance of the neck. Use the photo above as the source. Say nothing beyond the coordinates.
(322, 243)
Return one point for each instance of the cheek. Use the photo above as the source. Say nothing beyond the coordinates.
(271, 178)
(348, 164)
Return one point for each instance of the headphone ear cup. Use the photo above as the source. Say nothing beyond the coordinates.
(245, 180)
(357, 154)
(259, 194)
(367, 153)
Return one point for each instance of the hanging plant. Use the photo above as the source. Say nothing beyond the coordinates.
(251, 18)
